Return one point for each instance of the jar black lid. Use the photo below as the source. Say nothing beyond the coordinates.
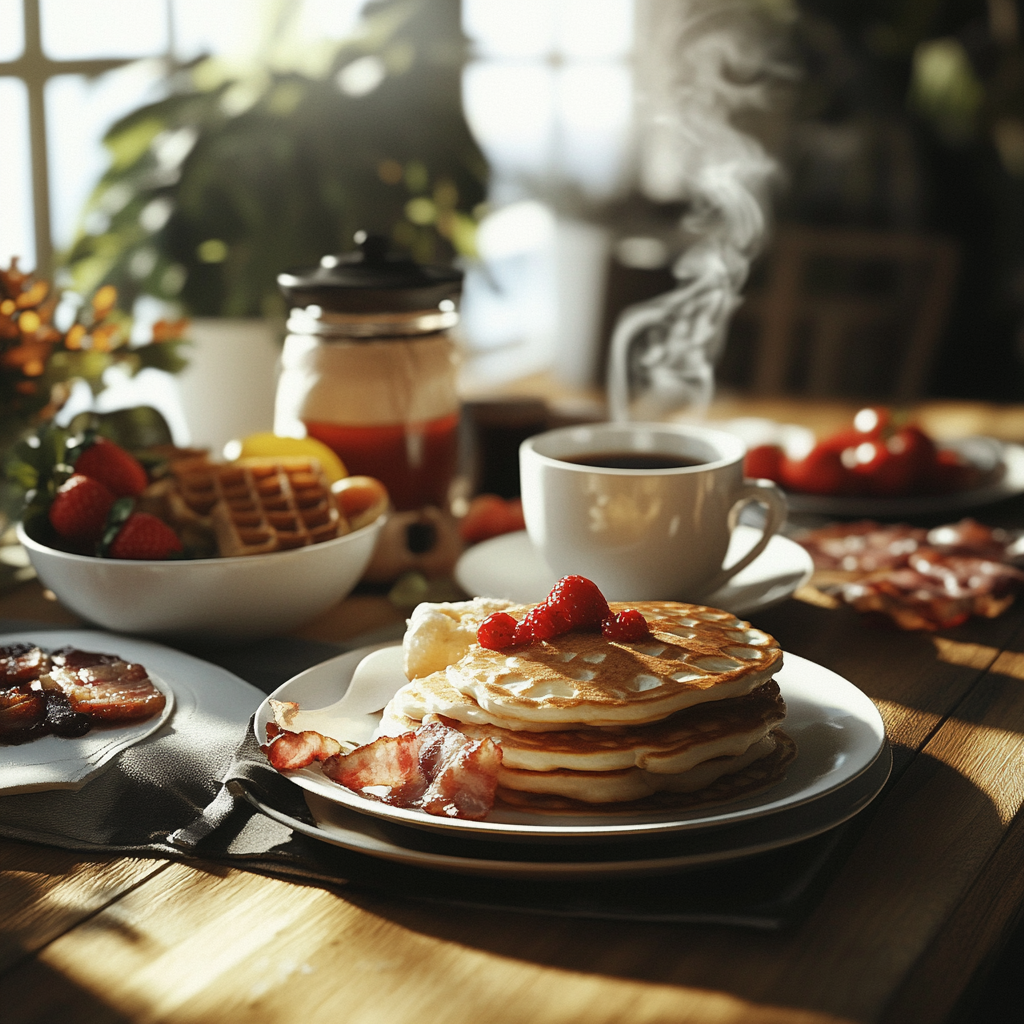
(370, 280)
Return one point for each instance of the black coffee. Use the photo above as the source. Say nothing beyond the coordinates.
(633, 460)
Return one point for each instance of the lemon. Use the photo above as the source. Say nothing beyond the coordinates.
(266, 445)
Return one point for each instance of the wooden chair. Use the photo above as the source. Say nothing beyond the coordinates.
(846, 313)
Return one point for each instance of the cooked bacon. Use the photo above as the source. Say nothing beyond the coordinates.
(392, 762)
(969, 537)
(936, 591)
(104, 686)
(862, 547)
(22, 712)
(61, 717)
(922, 580)
(465, 772)
(21, 663)
(289, 751)
(436, 768)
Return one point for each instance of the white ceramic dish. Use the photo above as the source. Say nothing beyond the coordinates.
(216, 598)
(1010, 484)
(986, 452)
(838, 732)
(351, 830)
(511, 567)
(196, 687)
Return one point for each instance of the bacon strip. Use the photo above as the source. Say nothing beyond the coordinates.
(465, 773)
(436, 768)
(21, 663)
(22, 712)
(921, 580)
(103, 686)
(937, 592)
(290, 751)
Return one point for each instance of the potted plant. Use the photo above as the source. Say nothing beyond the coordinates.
(241, 172)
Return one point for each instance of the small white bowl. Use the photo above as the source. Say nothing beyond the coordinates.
(227, 599)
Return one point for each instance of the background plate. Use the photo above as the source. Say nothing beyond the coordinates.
(353, 831)
(838, 732)
(197, 687)
(1010, 484)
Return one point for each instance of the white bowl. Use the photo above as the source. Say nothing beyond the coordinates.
(207, 598)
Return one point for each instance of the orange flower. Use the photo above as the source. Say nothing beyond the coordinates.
(102, 337)
(103, 301)
(169, 330)
(29, 322)
(33, 295)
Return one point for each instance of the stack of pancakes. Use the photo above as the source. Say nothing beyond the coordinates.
(686, 716)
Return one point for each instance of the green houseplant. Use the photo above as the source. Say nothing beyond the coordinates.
(242, 171)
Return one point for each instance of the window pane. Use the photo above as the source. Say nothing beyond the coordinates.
(17, 234)
(73, 30)
(238, 27)
(511, 28)
(595, 28)
(78, 113)
(510, 109)
(594, 115)
(12, 30)
(215, 26)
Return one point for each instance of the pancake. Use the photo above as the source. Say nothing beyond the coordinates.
(758, 776)
(629, 784)
(693, 654)
(675, 744)
(588, 722)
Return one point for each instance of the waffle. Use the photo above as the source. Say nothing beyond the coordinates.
(255, 506)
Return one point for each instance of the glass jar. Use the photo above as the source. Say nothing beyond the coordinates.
(369, 368)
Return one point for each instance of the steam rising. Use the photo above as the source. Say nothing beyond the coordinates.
(701, 62)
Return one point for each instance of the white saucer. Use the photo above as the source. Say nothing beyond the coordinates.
(511, 567)
(837, 729)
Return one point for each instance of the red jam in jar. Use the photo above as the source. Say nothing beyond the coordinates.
(415, 461)
(369, 369)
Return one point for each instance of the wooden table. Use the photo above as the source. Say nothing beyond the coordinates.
(925, 898)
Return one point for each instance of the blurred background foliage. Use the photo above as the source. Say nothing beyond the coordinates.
(245, 169)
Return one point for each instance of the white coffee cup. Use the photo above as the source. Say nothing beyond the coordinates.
(642, 533)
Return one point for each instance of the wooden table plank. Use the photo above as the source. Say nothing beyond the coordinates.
(45, 892)
(302, 953)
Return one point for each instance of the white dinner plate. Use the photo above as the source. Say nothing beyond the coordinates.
(1008, 485)
(1004, 464)
(192, 687)
(510, 566)
(838, 732)
(351, 830)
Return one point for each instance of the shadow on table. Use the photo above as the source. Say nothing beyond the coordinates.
(38, 992)
(899, 862)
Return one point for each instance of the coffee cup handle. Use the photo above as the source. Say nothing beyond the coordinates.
(765, 493)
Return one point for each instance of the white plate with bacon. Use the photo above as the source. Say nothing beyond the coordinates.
(111, 700)
(837, 730)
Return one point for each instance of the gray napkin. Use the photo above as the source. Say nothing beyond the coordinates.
(192, 793)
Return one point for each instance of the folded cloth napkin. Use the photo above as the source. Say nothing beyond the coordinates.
(189, 792)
